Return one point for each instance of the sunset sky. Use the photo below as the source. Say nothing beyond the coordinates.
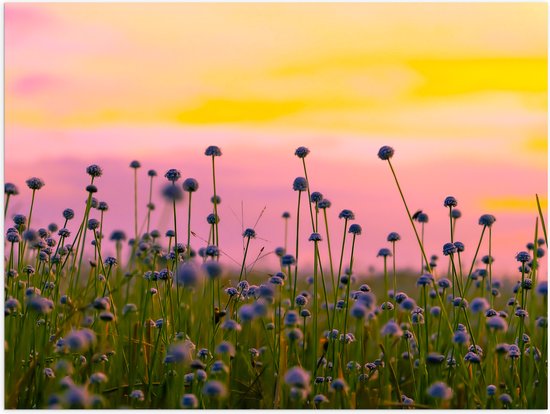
(459, 90)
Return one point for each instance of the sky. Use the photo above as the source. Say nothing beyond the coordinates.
(458, 89)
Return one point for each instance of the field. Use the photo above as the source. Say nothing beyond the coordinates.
(172, 325)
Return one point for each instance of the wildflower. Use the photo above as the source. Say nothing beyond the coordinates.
(300, 184)
(10, 189)
(391, 329)
(459, 246)
(98, 378)
(212, 251)
(355, 229)
(422, 218)
(491, 390)
(249, 233)
(40, 304)
(294, 334)
(347, 215)
(172, 175)
(288, 260)
(424, 280)
(187, 275)
(513, 351)
(324, 204)
(435, 311)
(435, 358)
(339, 385)
(450, 202)
(190, 185)
(316, 197)
(106, 316)
(505, 399)
(444, 283)
(94, 171)
(137, 395)
(456, 214)
(315, 237)
(225, 347)
(440, 390)
(172, 193)
(297, 377)
(523, 257)
(385, 153)
(458, 301)
(231, 325)
(213, 151)
(407, 304)
(358, 310)
(472, 357)
(384, 252)
(189, 401)
(214, 389)
(80, 341)
(129, 308)
(449, 249)
(291, 318)
(479, 305)
(487, 220)
(320, 399)
(301, 152)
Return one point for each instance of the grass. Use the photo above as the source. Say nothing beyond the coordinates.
(170, 327)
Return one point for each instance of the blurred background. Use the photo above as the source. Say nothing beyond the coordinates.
(459, 90)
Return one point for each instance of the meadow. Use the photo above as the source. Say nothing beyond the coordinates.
(171, 324)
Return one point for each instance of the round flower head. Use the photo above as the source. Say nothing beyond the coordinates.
(422, 218)
(103, 206)
(212, 218)
(288, 260)
(214, 389)
(391, 329)
(10, 189)
(35, 183)
(440, 390)
(213, 151)
(135, 164)
(315, 237)
(297, 377)
(393, 237)
(225, 347)
(93, 224)
(172, 193)
(444, 283)
(355, 229)
(384, 252)
(249, 233)
(385, 153)
(316, 197)
(497, 323)
(479, 305)
(118, 235)
(137, 395)
(320, 398)
(450, 202)
(455, 213)
(347, 215)
(424, 280)
(285, 215)
(172, 175)
(94, 171)
(213, 269)
(523, 257)
(324, 204)
(190, 185)
(152, 173)
(189, 401)
(542, 288)
(487, 220)
(339, 385)
(358, 310)
(301, 152)
(449, 249)
(187, 275)
(300, 184)
(19, 220)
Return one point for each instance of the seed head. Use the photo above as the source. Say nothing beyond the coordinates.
(94, 171)
(190, 185)
(35, 183)
(385, 153)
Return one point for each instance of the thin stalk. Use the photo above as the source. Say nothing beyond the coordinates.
(297, 245)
